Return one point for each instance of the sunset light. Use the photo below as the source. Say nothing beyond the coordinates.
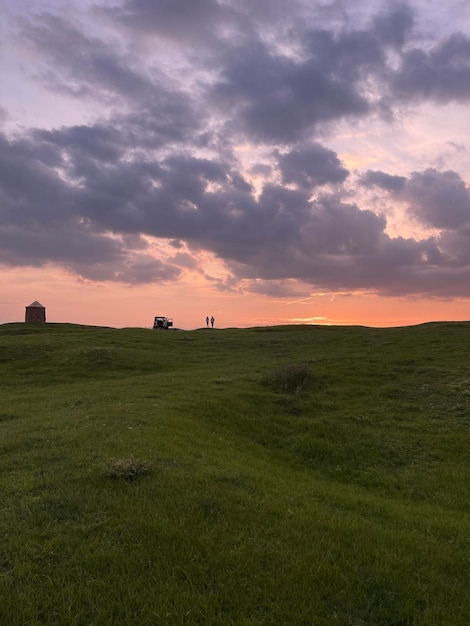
(235, 162)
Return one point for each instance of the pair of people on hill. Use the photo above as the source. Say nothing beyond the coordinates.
(212, 320)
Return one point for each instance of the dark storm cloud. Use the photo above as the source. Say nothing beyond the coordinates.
(394, 27)
(162, 160)
(176, 19)
(442, 73)
(438, 199)
(42, 219)
(81, 64)
(167, 117)
(435, 199)
(99, 142)
(275, 98)
(76, 248)
(27, 175)
(279, 235)
(383, 180)
(310, 166)
(339, 247)
(153, 112)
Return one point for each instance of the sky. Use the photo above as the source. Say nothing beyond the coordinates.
(262, 161)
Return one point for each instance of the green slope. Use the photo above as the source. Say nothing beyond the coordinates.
(297, 475)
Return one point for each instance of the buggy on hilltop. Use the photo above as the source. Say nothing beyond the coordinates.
(161, 322)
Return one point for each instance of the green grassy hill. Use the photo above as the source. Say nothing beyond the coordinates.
(281, 475)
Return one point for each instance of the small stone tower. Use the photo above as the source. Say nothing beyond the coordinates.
(36, 313)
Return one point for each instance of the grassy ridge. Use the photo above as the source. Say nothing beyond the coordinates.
(341, 499)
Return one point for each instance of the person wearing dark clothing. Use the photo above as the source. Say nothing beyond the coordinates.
(207, 321)
(212, 321)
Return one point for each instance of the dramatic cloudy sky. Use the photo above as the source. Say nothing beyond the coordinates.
(260, 160)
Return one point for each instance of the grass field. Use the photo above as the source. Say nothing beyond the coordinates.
(282, 475)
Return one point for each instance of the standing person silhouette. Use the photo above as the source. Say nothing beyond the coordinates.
(212, 321)
(207, 321)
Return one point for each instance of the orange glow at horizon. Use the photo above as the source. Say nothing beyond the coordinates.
(104, 304)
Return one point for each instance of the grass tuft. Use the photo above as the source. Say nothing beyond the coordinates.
(126, 469)
(4, 417)
(288, 378)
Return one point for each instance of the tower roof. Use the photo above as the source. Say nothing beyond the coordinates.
(35, 305)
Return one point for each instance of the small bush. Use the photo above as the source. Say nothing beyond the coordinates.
(126, 469)
(289, 378)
